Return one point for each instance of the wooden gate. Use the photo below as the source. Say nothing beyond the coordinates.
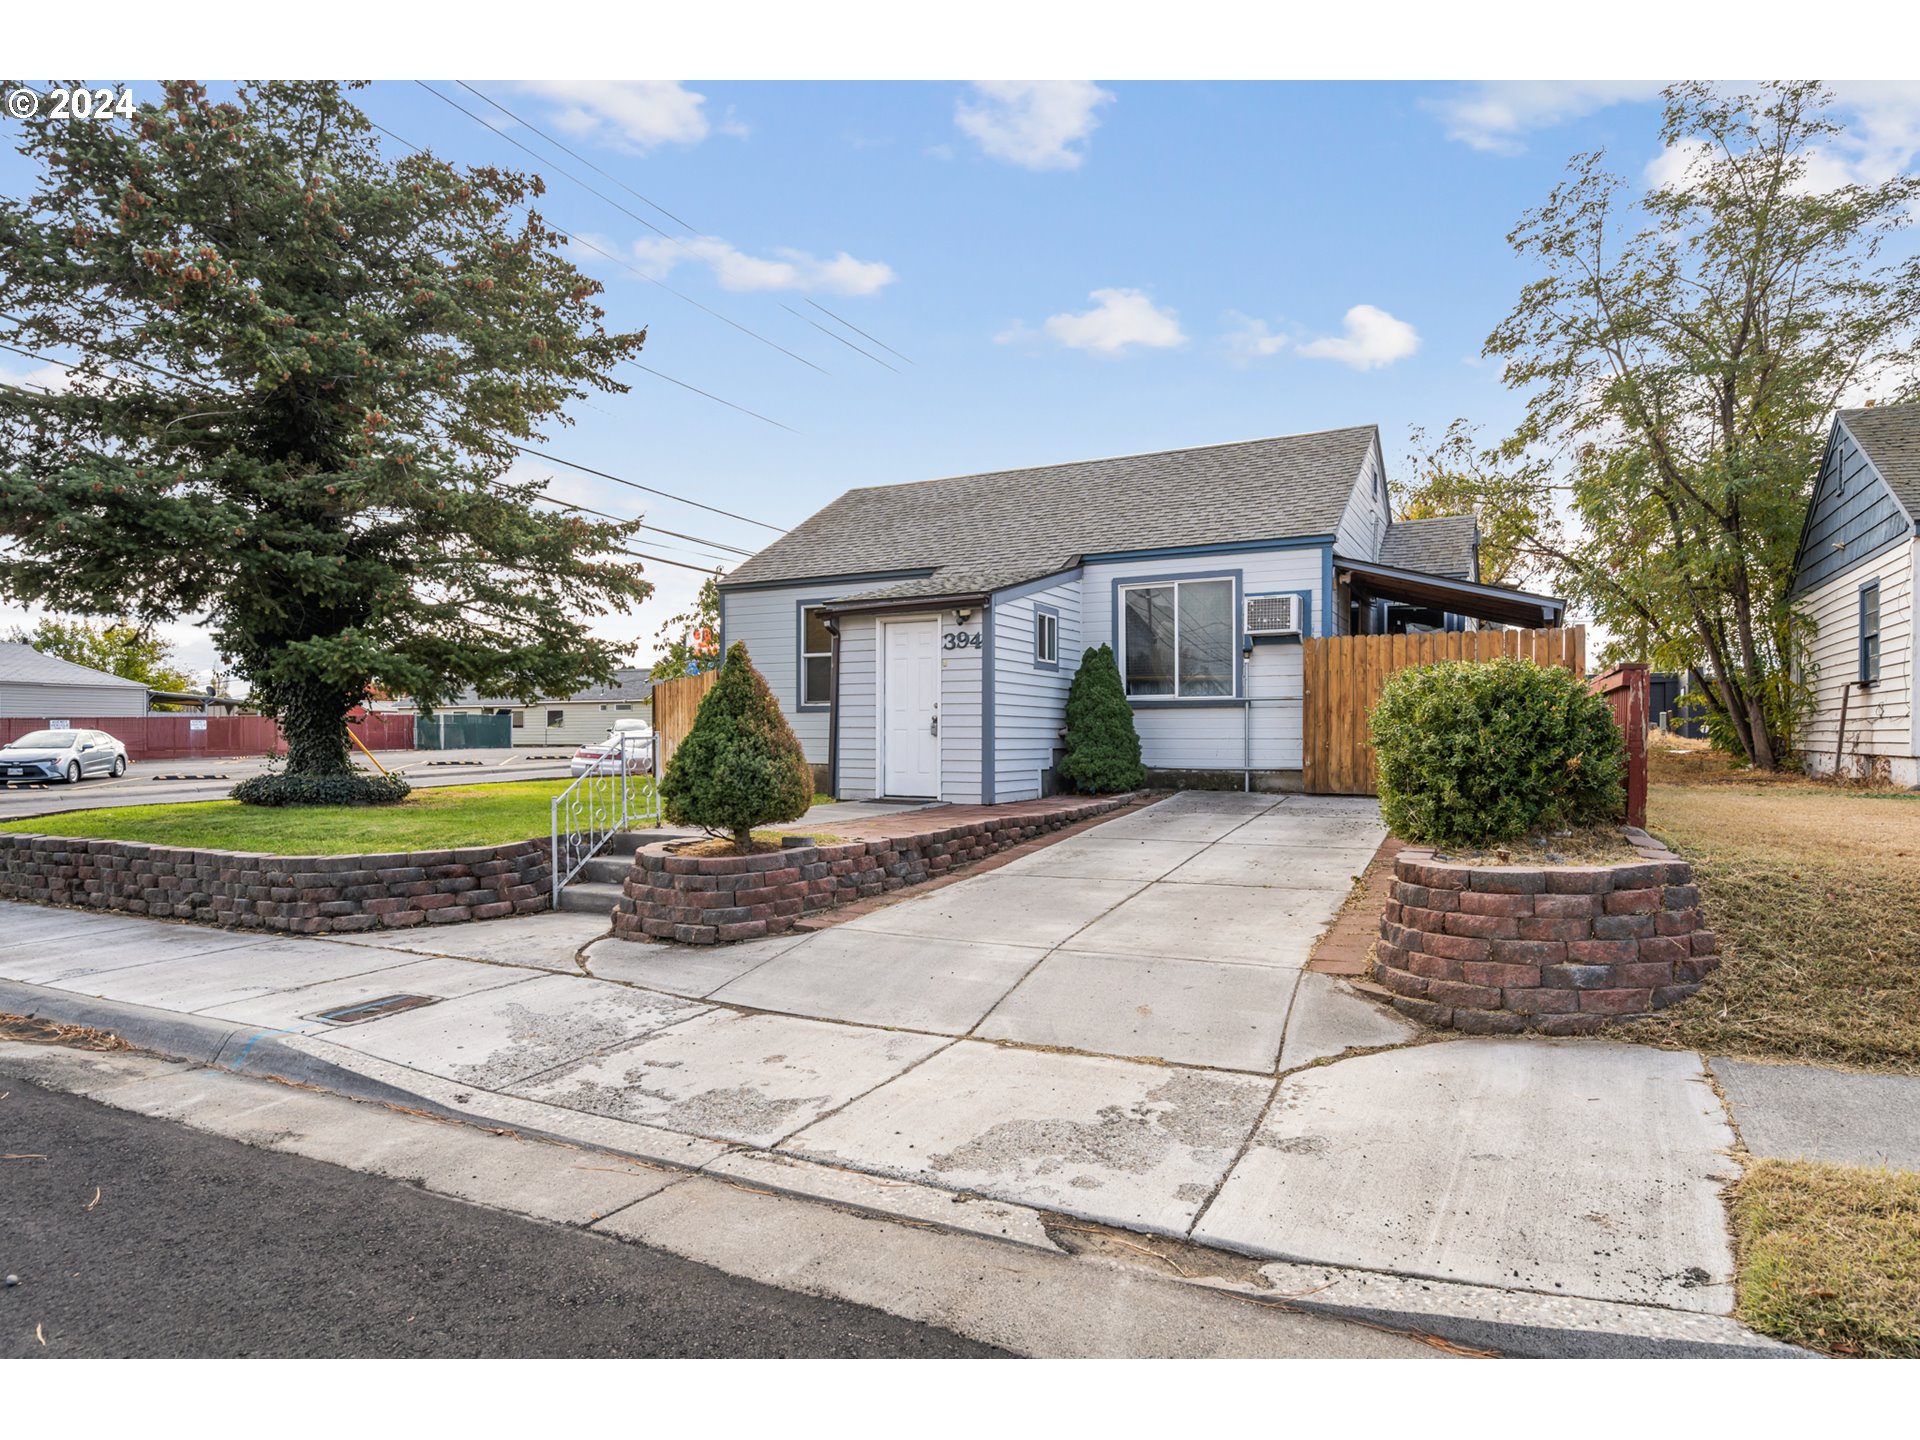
(1344, 675)
(675, 703)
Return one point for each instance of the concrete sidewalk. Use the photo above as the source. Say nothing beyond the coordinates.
(1114, 1027)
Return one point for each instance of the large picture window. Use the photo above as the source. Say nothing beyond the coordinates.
(1177, 639)
(816, 658)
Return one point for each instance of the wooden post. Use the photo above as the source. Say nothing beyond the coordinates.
(1628, 689)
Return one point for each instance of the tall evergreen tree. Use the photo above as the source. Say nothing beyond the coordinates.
(302, 372)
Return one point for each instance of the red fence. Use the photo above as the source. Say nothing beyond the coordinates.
(1627, 688)
(192, 737)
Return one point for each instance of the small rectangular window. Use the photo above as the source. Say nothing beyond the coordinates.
(816, 657)
(1046, 638)
(556, 717)
(519, 719)
(1870, 632)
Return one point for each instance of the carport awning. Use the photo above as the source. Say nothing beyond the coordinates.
(1459, 597)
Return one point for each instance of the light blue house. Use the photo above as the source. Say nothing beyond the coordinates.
(921, 637)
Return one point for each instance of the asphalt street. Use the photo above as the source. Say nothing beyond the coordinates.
(165, 782)
(139, 1237)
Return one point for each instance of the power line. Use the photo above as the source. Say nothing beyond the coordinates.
(575, 154)
(523, 449)
(635, 485)
(831, 336)
(651, 280)
(857, 330)
(710, 395)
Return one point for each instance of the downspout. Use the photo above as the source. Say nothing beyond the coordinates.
(833, 709)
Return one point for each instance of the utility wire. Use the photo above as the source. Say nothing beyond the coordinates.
(857, 330)
(842, 339)
(576, 155)
(624, 210)
(524, 450)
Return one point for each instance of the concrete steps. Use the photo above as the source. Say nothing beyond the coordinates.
(596, 889)
(594, 897)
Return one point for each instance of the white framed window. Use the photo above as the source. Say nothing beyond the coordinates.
(1177, 639)
(816, 658)
(1046, 638)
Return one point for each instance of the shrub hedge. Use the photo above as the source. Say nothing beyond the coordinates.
(1102, 750)
(741, 764)
(354, 787)
(1475, 754)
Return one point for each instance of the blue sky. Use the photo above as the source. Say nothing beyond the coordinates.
(1074, 269)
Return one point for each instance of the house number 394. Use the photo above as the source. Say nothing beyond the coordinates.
(960, 640)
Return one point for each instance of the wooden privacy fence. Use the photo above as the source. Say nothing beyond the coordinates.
(675, 703)
(1345, 673)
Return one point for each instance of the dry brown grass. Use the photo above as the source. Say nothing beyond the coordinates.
(1814, 892)
(1829, 1256)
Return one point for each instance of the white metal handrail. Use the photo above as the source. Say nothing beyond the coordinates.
(598, 806)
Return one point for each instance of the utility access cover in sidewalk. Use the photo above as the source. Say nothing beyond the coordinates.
(375, 1009)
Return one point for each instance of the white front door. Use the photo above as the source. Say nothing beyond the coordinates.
(910, 707)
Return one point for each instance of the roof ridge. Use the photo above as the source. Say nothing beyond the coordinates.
(1109, 459)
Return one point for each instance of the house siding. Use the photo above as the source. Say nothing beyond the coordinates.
(1853, 516)
(1363, 524)
(1881, 720)
(28, 700)
(1234, 736)
(859, 777)
(767, 622)
(1030, 703)
(962, 695)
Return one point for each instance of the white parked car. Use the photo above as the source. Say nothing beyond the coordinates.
(63, 755)
(603, 756)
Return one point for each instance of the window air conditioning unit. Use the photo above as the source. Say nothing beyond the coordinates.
(1273, 615)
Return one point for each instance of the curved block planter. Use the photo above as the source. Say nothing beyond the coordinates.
(1557, 949)
(712, 899)
(300, 895)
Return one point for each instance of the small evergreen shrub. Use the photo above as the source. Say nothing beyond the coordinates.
(1102, 753)
(740, 765)
(1474, 754)
(352, 787)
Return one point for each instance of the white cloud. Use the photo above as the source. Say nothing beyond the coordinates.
(1880, 140)
(39, 377)
(1494, 115)
(1038, 124)
(784, 270)
(1372, 339)
(1118, 321)
(1253, 339)
(631, 114)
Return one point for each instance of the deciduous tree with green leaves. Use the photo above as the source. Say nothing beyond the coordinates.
(300, 372)
(1684, 350)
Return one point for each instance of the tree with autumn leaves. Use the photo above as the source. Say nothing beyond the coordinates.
(300, 371)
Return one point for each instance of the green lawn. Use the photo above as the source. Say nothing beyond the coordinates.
(431, 819)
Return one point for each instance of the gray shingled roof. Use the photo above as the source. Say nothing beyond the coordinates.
(630, 685)
(1890, 434)
(1440, 546)
(981, 532)
(21, 664)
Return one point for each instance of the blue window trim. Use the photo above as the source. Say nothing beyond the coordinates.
(1868, 673)
(1172, 702)
(800, 608)
(1054, 615)
(1305, 598)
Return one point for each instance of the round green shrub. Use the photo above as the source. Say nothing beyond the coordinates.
(1475, 754)
(1102, 751)
(740, 765)
(353, 787)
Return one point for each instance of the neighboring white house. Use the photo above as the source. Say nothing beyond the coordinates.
(566, 722)
(1854, 584)
(921, 637)
(44, 687)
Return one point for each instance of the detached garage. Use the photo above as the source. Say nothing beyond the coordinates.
(42, 687)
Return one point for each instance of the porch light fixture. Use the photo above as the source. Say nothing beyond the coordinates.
(962, 614)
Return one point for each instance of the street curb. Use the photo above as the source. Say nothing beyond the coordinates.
(239, 1049)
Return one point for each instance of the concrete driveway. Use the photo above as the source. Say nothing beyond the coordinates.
(1115, 1026)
